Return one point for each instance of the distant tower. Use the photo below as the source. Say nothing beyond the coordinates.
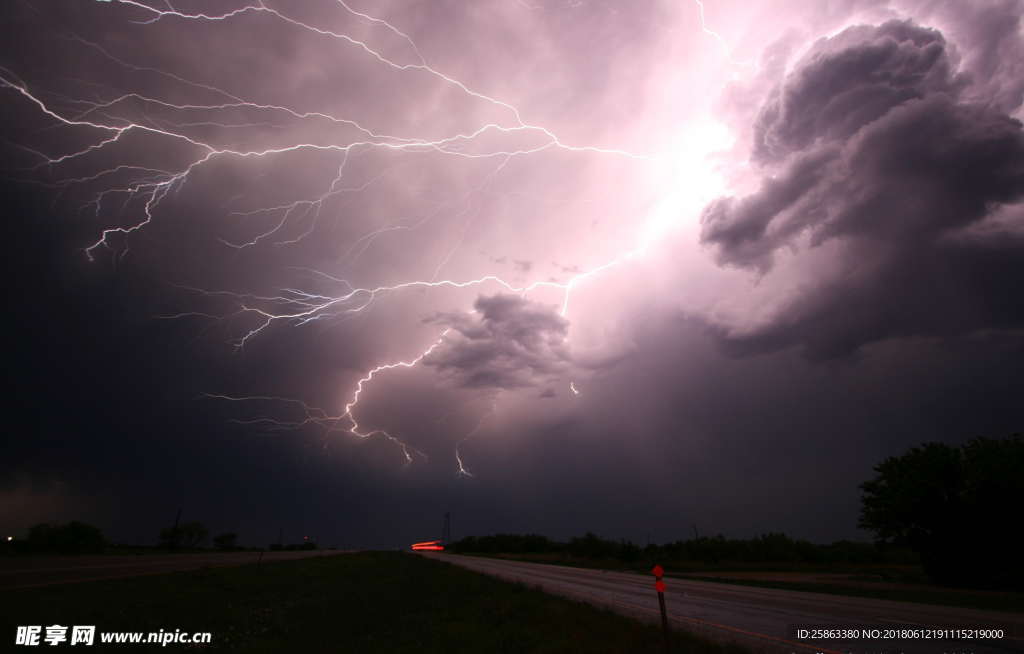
(446, 531)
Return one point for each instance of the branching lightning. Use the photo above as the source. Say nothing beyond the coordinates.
(150, 187)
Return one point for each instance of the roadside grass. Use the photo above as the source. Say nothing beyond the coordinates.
(362, 602)
(909, 575)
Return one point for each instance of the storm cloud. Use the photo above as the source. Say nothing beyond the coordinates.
(508, 342)
(634, 266)
(875, 145)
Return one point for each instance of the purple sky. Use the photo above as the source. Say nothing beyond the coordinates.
(552, 266)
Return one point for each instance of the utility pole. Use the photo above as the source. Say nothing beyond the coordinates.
(174, 530)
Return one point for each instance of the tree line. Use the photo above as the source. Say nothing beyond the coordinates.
(766, 548)
(954, 509)
(78, 537)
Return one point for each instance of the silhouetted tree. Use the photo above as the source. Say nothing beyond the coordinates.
(188, 534)
(628, 552)
(72, 538)
(590, 545)
(193, 533)
(225, 541)
(956, 507)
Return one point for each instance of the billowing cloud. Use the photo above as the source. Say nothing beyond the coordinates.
(507, 342)
(994, 58)
(850, 80)
(876, 144)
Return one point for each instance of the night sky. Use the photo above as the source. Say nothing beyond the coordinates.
(553, 266)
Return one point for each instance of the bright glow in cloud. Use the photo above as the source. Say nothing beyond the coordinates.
(691, 179)
(364, 171)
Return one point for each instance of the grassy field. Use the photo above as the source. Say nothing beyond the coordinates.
(898, 583)
(366, 602)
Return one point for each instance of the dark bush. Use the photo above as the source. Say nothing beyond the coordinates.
(71, 538)
(955, 507)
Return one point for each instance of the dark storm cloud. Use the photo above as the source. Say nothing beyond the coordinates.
(740, 226)
(995, 60)
(108, 391)
(507, 342)
(875, 144)
(848, 81)
(665, 429)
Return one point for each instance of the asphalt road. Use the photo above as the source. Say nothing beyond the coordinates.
(28, 572)
(760, 618)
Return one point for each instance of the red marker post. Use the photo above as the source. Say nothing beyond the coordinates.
(659, 586)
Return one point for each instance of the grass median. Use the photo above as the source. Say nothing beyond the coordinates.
(364, 602)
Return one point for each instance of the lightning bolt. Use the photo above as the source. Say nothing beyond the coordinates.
(462, 471)
(149, 187)
(726, 48)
